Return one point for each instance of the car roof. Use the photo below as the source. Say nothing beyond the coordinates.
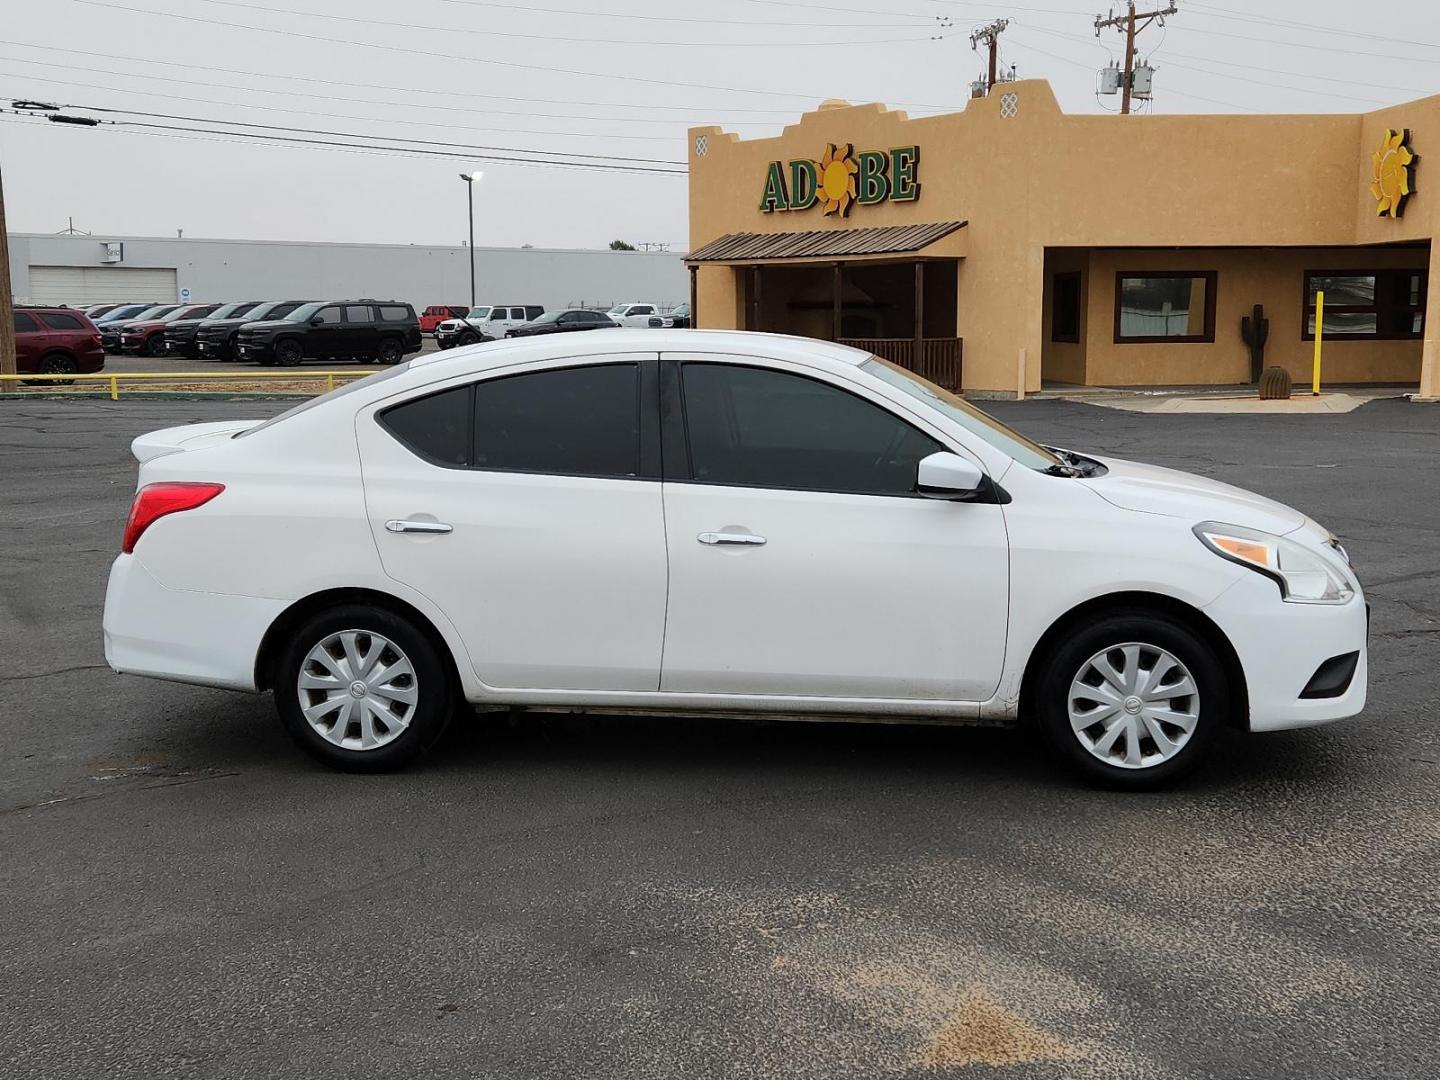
(507, 351)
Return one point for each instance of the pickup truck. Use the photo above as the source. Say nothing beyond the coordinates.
(643, 315)
(487, 322)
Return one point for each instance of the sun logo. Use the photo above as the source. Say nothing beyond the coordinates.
(1391, 173)
(837, 179)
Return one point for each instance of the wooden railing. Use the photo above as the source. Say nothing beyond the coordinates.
(936, 359)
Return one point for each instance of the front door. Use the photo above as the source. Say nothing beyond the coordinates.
(325, 338)
(802, 562)
(528, 508)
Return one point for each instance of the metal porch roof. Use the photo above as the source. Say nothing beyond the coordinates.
(823, 243)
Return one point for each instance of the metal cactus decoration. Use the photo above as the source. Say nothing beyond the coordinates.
(1255, 331)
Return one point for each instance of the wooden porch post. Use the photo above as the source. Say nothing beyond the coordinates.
(754, 299)
(694, 318)
(919, 315)
(835, 311)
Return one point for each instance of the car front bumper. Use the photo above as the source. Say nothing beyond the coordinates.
(210, 639)
(1281, 646)
(254, 350)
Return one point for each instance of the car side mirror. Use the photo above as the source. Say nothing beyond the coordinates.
(317, 321)
(948, 476)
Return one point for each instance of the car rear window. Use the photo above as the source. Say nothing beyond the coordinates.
(24, 323)
(338, 392)
(436, 426)
(396, 314)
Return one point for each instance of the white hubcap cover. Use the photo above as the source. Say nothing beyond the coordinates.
(1133, 705)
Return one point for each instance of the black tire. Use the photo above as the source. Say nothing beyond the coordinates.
(57, 364)
(288, 353)
(1069, 659)
(432, 681)
(154, 345)
(390, 352)
(469, 337)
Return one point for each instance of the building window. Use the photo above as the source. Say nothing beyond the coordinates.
(1366, 303)
(1065, 308)
(1163, 305)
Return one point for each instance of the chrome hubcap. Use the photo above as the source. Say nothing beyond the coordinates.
(357, 689)
(1133, 705)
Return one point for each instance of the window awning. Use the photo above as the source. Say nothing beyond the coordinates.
(823, 243)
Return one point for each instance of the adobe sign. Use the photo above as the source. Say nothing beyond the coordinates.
(843, 178)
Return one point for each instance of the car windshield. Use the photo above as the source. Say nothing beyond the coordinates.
(182, 313)
(618, 309)
(1011, 442)
(338, 392)
(152, 312)
(304, 312)
(479, 313)
(227, 310)
(124, 312)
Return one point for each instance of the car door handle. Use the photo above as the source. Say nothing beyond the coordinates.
(399, 526)
(730, 538)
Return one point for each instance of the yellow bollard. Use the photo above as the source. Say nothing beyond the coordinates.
(1319, 336)
(114, 388)
(329, 382)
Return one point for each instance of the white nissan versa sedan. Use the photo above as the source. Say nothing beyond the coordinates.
(725, 523)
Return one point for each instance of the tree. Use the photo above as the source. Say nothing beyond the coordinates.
(621, 245)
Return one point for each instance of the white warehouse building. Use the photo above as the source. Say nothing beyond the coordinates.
(83, 270)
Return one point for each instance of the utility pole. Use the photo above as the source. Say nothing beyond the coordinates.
(7, 307)
(991, 36)
(1132, 22)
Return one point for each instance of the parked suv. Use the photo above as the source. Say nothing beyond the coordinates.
(435, 314)
(380, 331)
(179, 336)
(485, 323)
(563, 322)
(147, 337)
(113, 329)
(56, 341)
(216, 337)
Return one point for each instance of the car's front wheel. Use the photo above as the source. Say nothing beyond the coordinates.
(1132, 700)
(289, 353)
(469, 337)
(362, 689)
(155, 346)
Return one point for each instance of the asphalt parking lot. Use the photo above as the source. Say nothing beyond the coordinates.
(186, 895)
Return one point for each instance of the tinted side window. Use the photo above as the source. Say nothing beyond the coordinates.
(437, 427)
(391, 313)
(360, 313)
(58, 320)
(24, 323)
(328, 315)
(759, 428)
(573, 421)
(642, 309)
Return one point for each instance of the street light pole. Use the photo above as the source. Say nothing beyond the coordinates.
(7, 312)
(470, 178)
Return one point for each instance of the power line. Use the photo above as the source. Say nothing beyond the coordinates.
(361, 135)
(147, 127)
(1230, 14)
(432, 55)
(673, 18)
(545, 37)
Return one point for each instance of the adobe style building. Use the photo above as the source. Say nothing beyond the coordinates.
(1011, 241)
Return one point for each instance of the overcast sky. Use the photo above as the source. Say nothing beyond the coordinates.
(636, 74)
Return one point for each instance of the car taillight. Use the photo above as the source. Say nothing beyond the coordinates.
(154, 501)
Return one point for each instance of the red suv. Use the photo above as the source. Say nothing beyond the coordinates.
(435, 314)
(148, 338)
(56, 341)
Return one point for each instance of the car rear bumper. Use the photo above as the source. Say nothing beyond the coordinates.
(1283, 646)
(210, 639)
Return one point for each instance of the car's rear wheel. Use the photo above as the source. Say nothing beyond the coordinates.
(362, 689)
(1133, 699)
(289, 353)
(390, 351)
(57, 364)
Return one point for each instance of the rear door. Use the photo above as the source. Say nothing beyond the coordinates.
(361, 334)
(29, 339)
(527, 507)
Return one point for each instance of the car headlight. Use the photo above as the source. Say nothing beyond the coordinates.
(1304, 576)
